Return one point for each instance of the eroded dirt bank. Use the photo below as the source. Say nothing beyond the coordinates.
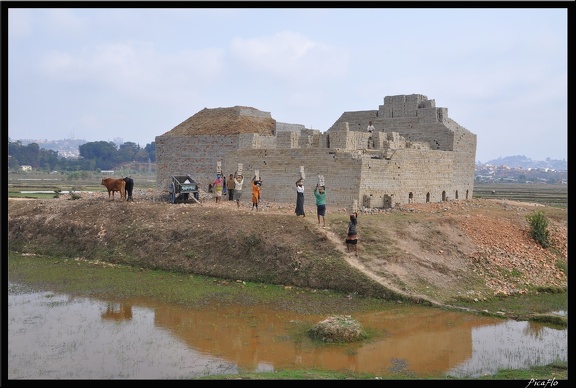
(431, 252)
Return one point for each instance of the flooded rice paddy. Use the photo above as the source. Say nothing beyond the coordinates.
(58, 336)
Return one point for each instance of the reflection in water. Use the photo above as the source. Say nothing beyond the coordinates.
(56, 336)
(512, 345)
(118, 311)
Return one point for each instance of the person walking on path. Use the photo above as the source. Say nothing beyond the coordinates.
(238, 181)
(320, 194)
(230, 187)
(300, 198)
(352, 233)
(256, 186)
(218, 186)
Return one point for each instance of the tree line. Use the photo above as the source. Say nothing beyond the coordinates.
(97, 155)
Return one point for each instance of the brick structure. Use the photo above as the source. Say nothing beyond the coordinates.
(416, 154)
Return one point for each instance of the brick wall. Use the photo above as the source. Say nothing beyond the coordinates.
(417, 154)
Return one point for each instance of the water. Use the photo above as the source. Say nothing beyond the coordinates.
(57, 336)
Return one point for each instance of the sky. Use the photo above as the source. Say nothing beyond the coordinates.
(104, 74)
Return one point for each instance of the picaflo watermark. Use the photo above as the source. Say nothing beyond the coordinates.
(542, 383)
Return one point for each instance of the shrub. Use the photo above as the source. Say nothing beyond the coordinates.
(539, 228)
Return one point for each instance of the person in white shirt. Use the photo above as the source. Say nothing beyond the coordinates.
(238, 180)
(370, 128)
(300, 198)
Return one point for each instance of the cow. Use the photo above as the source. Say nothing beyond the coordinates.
(115, 185)
(129, 187)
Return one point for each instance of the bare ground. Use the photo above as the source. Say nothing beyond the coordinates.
(435, 252)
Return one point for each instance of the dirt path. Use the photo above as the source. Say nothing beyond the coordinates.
(355, 262)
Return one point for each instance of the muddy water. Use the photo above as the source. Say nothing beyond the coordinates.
(56, 336)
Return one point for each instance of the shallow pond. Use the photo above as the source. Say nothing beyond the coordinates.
(57, 336)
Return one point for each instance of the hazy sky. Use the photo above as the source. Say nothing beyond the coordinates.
(134, 74)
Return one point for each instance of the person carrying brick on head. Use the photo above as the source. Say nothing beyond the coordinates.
(300, 198)
(218, 187)
(230, 187)
(238, 181)
(320, 194)
(256, 184)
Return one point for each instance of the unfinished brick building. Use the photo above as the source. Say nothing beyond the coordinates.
(415, 154)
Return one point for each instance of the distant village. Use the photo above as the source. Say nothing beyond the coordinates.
(487, 173)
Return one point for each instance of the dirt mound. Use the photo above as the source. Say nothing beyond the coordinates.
(471, 249)
(225, 121)
(340, 328)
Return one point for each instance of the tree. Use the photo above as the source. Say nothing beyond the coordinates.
(93, 155)
(127, 152)
(103, 152)
(48, 160)
(151, 150)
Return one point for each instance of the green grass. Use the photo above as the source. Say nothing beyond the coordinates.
(13, 194)
(554, 371)
(541, 302)
(82, 277)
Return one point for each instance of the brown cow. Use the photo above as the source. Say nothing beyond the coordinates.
(115, 185)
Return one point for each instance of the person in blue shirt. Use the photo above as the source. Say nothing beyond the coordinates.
(320, 194)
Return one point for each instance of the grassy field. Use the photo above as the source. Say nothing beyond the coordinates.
(58, 183)
(550, 195)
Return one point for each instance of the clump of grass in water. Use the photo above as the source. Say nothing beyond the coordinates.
(339, 328)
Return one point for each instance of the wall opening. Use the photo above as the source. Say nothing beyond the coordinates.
(456, 194)
(386, 201)
(410, 197)
(427, 197)
(443, 196)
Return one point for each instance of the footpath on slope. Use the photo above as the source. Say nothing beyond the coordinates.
(354, 261)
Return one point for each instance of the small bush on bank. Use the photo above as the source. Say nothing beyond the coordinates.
(539, 228)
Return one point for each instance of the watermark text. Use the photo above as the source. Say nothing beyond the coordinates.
(542, 383)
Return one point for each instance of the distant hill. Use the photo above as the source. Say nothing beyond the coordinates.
(520, 161)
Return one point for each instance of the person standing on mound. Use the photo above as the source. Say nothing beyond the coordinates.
(320, 194)
(238, 181)
(256, 184)
(352, 233)
(300, 198)
(230, 187)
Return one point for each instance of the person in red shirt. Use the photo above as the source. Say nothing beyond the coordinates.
(218, 186)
